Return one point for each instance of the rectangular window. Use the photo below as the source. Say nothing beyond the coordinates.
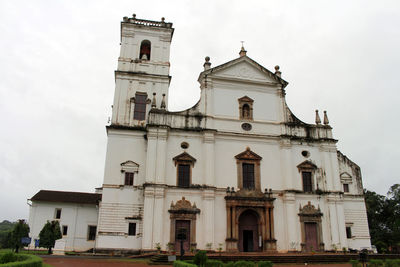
(92, 232)
(307, 182)
(132, 229)
(140, 107)
(348, 232)
(129, 178)
(57, 214)
(184, 175)
(64, 229)
(248, 176)
(346, 188)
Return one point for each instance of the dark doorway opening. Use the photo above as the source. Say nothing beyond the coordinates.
(247, 240)
(248, 231)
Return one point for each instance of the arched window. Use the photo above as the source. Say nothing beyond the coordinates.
(246, 108)
(145, 49)
(246, 111)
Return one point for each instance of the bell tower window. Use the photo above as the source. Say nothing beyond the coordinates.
(145, 49)
(139, 112)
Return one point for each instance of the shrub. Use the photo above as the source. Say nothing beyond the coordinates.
(183, 264)
(244, 264)
(200, 258)
(376, 263)
(354, 263)
(26, 260)
(7, 257)
(392, 263)
(265, 264)
(214, 263)
(229, 264)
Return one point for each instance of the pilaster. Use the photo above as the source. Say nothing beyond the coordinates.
(162, 136)
(151, 155)
(209, 140)
(208, 213)
(149, 193)
(291, 219)
(158, 215)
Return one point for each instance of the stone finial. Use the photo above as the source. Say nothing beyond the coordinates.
(277, 71)
(326, 121)
(317, 118)
(207, 64)
(242, 51)
(163, 102)
(153, 103)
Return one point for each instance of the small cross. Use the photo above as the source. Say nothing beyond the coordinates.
(242, 43)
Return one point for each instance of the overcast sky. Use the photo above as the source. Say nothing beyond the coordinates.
(57, 62)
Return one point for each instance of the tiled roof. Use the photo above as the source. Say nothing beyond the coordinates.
(68, 197)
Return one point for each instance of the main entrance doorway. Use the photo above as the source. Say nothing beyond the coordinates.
(311, 233)
(182, 226)
(248, 232)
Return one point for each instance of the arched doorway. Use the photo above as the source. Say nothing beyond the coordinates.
(248, 231)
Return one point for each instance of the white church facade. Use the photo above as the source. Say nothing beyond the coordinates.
(237, 171)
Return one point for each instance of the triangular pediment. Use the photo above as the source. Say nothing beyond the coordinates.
(248, 155)
(184, 158)
(244, 68)
(306, 165)
(245, 99)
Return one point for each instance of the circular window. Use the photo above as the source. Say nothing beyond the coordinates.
(184, 145)
(246, 126)
(305, 153)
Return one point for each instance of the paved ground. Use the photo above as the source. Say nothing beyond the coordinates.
(79, 262)
(89, 262)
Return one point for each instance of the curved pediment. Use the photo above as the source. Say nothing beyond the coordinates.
(129, 163)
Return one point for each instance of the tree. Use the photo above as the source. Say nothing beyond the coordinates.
(20, 230)
(384, 218)
(49, 234)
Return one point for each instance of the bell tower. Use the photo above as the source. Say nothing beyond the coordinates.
(142, 77)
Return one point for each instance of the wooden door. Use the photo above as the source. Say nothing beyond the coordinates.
(182, 226)
(311, 236)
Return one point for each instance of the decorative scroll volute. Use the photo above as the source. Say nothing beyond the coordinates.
(183, 206)
(310, 210)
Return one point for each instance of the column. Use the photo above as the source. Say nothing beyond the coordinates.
(158, 218)
(209, 158)
(161, 155)
(228, 222)
(151, 155)
(147, 238)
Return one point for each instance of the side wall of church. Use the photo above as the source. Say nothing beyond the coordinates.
(77, 217)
